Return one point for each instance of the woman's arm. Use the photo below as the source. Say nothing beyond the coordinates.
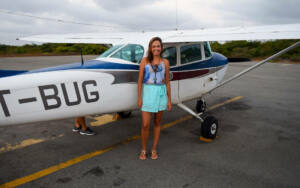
(167, 79)
(140, 82)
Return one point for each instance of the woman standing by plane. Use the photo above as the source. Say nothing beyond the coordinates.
(156, 96)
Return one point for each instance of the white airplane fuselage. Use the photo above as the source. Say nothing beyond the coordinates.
(98, 86)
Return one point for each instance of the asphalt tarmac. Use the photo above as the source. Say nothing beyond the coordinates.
(258, 142)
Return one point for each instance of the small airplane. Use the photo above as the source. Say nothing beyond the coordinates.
(108, 83)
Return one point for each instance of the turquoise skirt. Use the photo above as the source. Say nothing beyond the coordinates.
(154, 98)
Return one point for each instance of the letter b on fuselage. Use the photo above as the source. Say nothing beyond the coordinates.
(51, 97)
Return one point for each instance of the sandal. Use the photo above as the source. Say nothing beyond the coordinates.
(154, 154)
(143, 155)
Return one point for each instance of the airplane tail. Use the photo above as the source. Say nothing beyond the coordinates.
(6, 73)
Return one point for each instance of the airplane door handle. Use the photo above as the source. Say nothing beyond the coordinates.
(213, 78)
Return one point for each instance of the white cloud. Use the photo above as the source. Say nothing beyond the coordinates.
(140, 15)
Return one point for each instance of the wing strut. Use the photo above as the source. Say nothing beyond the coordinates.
(255, 66)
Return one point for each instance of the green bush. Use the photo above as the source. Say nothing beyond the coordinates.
(256, 49)
(52, 49)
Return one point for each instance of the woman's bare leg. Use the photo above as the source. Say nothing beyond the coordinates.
(156, 129)
(146, 118)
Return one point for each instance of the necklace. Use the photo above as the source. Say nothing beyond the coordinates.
(155, 68)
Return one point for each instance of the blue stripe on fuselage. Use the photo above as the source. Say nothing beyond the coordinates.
(91, 64)
(6, 73)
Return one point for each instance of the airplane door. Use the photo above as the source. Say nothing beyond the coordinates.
(170, 53)
(197, 73)
(211, 80)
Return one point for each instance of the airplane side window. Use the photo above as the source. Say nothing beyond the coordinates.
(170, 54)
(139, 53)
(131, 52)
(207, 50)
(190, 53)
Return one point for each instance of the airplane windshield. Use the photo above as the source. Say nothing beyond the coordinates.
(110, 50)
(130, 52)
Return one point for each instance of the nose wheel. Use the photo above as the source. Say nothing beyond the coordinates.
(209, 125)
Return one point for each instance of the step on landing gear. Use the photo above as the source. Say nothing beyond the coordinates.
(201, 106)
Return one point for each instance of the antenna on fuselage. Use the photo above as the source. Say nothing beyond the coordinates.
(82, 62)
(176, 15)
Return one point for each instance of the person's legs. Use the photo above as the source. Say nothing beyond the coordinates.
(156, 133)
(81, 127)
(146, 117)
(77, 126)
(80, 122)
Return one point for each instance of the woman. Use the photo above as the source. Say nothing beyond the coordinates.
(154, 76)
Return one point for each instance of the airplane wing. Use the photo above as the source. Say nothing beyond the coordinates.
(266, 32)
(84, 38)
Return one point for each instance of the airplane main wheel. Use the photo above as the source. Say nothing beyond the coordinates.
(209, 128)
(124, 114)
(201, 106)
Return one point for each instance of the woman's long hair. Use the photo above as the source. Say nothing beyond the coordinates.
(149, 53)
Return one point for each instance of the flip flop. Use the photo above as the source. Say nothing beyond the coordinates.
(154, 155)
(143, 155)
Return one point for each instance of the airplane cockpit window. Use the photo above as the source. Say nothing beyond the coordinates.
(190, 53)
(110, 51)
(130, 52)
(170, 54)
(207, 50)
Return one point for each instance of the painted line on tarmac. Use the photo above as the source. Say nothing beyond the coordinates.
(81, 158)
(102, 120)
(225, 102)
(25, 143)
(99, 121)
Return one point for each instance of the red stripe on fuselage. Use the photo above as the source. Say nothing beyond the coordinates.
(189, 74)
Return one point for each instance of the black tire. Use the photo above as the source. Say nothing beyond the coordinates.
(209, 127)
(125, 114)
(201, 106)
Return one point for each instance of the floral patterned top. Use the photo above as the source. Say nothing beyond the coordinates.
(154, 74)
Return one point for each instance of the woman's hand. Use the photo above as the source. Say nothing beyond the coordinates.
(169, 106)
(140, 103)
